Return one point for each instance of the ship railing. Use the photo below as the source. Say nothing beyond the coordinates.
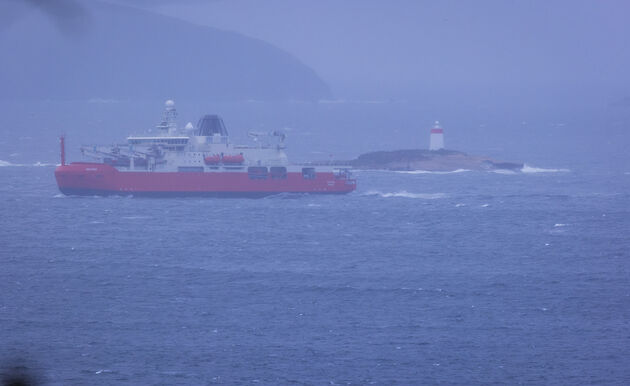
(116, 151)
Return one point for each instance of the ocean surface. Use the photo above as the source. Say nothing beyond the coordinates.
(415, 278)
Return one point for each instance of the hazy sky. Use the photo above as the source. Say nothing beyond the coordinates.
(360, 45)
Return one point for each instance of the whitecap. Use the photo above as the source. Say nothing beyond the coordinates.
(7, 163)
(405, 194)
(530, 169)
(503, 171)
(485, 205)
(38, 163)
(559, 225)
(431, 172)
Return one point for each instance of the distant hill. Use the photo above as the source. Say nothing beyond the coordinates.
(116, 52)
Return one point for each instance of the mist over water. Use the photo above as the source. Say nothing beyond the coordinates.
(589, 139)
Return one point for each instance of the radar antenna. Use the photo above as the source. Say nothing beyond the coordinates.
(169, 118)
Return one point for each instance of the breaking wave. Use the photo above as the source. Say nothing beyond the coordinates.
(38, 163)
(503, 171)
(405, 194)
(530, 169)
(7, 163)
(430, 172)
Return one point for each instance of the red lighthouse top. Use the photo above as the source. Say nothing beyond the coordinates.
(437, 129)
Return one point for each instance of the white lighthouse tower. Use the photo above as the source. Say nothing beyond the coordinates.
(437, 137)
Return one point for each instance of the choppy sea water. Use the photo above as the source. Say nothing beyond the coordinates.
(416, 278)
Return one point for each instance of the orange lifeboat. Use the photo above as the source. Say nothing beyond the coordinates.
(212, 159)
(233, 159)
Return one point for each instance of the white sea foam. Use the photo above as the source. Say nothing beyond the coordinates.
(38, 163)
(405, 194)
(558, 229)
(7, 163)
(503, 171)
(530, 169)
(430, 172)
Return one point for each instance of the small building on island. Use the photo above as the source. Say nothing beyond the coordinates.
(437, 137)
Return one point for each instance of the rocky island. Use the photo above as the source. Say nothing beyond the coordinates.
(441, 160)
(435, 159)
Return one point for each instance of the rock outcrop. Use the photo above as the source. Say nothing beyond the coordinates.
(418, 159)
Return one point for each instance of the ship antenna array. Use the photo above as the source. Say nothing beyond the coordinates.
(169, 118)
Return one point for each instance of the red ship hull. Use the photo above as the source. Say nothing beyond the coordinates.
(80, 178)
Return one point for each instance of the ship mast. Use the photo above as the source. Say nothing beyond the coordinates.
(168, 126)
(62, 143)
